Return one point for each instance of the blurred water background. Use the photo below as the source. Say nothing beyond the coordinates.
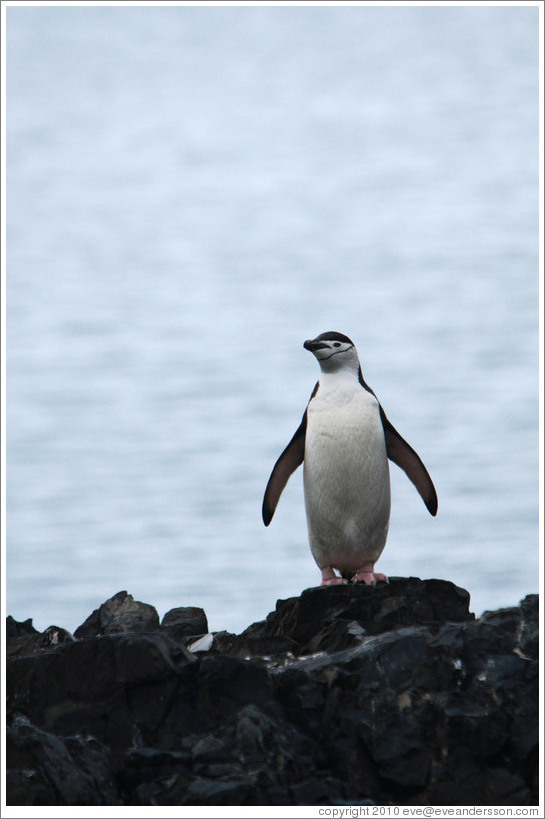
(192, 192)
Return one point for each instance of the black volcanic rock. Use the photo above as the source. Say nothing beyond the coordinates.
(334, 617)
(51, 770)
(346, 695)
(120, 613)
(187, 621)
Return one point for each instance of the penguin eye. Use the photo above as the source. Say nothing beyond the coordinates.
(337, 344)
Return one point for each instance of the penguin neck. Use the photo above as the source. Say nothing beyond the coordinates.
(334, 377)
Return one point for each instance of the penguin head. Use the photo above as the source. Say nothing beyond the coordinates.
(334, 351)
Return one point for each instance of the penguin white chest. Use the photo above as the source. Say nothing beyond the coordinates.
(346, 476)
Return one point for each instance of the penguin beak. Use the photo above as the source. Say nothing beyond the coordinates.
(313, 345)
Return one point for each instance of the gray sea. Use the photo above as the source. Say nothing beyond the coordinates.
(194, 191)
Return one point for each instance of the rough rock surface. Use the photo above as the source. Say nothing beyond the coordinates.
(346, 695)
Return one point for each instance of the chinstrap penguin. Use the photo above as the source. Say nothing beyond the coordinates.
(345, 440)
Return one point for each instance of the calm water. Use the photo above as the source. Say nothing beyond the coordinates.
(191, 193)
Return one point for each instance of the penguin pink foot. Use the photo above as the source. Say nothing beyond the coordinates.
(365, 574)
(329, 578)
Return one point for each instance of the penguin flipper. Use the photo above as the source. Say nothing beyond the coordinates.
(402, 454)
(289, 460)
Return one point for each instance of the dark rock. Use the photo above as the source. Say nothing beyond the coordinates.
(185, 622)
(219, 791)
(50, 770)
(333, 617)
(528, 637)
(120, 613)
(15, 630)
(347, 695)
(155, 777)
(22, 639)
(226, 684)
(116, 688)
(465, 782)
(320, 791)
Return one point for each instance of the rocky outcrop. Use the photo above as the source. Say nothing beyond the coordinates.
(345, 695)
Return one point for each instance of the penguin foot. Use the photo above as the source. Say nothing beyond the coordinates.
(329, 578)
(370, 578)
(365, 574)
